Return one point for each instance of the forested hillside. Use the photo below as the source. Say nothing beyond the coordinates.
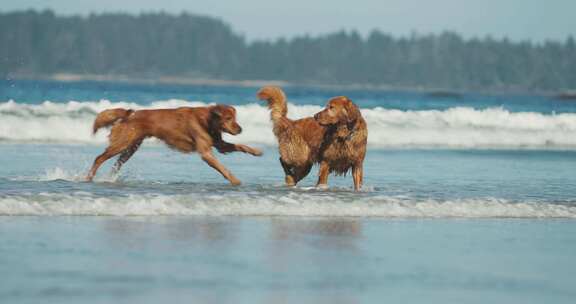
(158, 44)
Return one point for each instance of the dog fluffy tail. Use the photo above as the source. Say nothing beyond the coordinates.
(109, 117)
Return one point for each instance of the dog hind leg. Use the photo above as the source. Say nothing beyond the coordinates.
(288, 170)
(302, 172)
(122, 137)
(125, 156)
(109, 153)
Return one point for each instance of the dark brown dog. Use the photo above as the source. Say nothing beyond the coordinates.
(184, 129)
(299, 140)
(344, 144)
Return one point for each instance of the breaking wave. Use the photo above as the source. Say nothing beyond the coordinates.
(452, 128)
(291, 204)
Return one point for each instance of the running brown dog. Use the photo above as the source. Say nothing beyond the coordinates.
(183, 129)
(344, 144)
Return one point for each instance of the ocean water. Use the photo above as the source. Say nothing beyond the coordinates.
(469, 199)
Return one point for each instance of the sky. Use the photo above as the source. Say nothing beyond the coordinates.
(269, 19)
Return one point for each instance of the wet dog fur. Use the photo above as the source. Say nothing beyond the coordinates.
(299, 141)
(344, 142)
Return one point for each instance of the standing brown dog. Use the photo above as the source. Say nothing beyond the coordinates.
(344, 144)
(183, 129)
(299, 140)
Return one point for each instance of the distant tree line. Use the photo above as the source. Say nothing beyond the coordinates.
(153, 44)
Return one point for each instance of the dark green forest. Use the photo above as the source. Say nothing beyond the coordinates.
(36, 44)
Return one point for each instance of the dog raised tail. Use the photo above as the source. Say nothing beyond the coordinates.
(109, 117)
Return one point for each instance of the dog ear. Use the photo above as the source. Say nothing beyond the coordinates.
(352, 111)
(218, 110)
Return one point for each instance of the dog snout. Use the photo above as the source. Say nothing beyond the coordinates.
(236, 129)
(320, 116)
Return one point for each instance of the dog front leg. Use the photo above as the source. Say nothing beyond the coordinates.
(214, 163)
(323, 175)
(224, 147)
(249, 150)
(357, 175)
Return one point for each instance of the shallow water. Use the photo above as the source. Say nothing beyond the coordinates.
(285, 260)
(48, 180)
(465, 200)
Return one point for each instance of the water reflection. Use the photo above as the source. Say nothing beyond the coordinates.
(285, 259)
(170, 229)
(337, 233)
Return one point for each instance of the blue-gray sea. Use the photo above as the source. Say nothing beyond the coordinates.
(467, 199)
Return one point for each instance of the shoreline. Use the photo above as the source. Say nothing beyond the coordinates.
(256, 83)
(174, 80)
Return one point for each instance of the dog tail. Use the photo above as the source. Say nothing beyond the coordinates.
(109, 117)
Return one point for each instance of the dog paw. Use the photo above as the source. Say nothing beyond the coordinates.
(256, 152)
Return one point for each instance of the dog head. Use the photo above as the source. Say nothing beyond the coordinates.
(339, 110)
(225, 118)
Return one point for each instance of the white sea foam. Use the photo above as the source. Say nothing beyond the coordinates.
(58, 173)
(289, 204)
(452, 128)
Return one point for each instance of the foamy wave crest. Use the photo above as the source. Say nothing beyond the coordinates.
(63, 122)
(292, 204)
(469, 128)
(452, 128)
